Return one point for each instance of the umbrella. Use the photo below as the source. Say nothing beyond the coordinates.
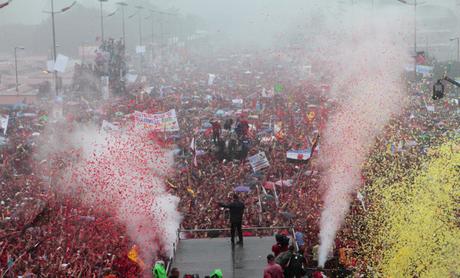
(119, 113)
(287, 214)
(269, 185)
(268, 197)
(257, 174)
(251, 183)
(220, 112)
(242, 188)
(286, 183)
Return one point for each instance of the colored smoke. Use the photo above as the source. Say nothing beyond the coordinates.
(367, 68)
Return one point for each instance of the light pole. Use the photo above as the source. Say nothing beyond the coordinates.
(458, 47)
(123, 5)
(102, 19)
(415, 33)
(16, 66)
(140, 8)
(52, 12)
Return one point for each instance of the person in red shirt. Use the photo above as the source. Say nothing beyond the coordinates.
(281, 245)
(273, 270)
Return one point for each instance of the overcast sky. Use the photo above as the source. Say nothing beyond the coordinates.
(30, 11)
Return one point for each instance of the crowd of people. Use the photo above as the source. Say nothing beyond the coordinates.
(249, 107)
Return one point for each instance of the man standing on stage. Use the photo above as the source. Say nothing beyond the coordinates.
(236, 217)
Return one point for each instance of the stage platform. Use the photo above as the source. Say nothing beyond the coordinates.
(201, 256)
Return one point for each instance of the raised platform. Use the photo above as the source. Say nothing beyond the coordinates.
(201, 256)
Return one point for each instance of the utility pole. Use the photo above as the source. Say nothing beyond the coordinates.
(56, 90)
(123, 5)
(140, 23)
(53, 12)
(415, 33)
(102, 19)
(16, 66)
(415, 40)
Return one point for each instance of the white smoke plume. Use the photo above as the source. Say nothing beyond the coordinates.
(369, 55)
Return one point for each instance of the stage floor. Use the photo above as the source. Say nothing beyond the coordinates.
(201, 256)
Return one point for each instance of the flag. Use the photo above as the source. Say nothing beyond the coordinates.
(189, 190)
(193, 148)
(360, 197)
(133, 255)
(299, 155)
(278, 88)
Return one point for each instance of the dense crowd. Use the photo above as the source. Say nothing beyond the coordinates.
(250, 107)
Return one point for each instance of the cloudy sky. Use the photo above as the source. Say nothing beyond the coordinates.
(30, 11)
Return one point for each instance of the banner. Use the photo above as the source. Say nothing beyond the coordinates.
(237, 102)
(157, 122)
(140, 49)
(258, 161)
(108, 126)
(4, 123)
(211, 78)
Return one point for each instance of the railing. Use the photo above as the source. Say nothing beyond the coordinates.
(228, 229)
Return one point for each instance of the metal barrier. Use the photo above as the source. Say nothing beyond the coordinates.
(228, 229)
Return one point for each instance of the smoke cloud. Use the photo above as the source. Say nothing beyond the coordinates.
(367, 67)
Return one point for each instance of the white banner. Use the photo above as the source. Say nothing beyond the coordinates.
(50, 65)
(108, 126)
(61, 63)
(4, 123)
(140, 49)
(211, 78)
(158, 122)
(237, 102)
(258, 161)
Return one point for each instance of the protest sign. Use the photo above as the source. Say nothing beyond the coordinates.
(258, 161)
(237, 102)
(158, 122)
(211, 78)
(4, 123)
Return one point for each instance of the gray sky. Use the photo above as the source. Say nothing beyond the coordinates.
(30, 11)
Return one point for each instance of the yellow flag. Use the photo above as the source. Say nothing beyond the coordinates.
(133, 255)
(191, 191)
